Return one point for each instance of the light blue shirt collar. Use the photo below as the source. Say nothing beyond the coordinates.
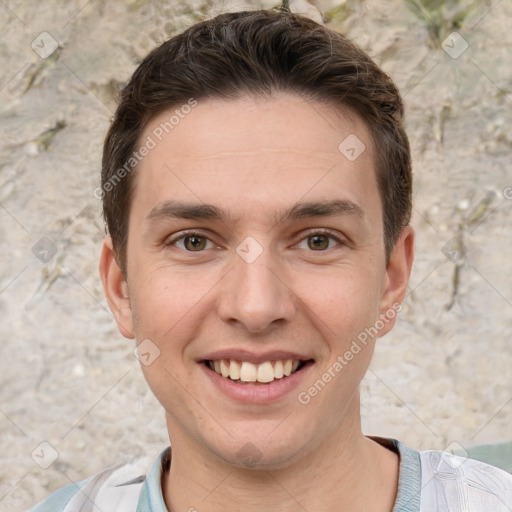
(408, 496)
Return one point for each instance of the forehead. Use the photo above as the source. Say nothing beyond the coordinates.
(272, 152)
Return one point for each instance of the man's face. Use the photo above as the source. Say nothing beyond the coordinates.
(285, 261)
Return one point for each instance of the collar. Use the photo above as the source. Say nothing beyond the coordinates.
(409, 482)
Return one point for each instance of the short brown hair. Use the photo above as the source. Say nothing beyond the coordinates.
(258, 53)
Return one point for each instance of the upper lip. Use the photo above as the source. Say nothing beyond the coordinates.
(253, 357)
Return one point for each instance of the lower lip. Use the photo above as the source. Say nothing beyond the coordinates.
(257, 393)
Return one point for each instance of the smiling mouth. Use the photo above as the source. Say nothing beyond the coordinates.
(244, 372)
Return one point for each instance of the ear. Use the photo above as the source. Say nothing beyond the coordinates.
(116, 289)
(398, 271)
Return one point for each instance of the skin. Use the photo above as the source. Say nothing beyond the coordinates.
(256, 158)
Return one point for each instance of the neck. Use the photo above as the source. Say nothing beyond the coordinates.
(346, 470)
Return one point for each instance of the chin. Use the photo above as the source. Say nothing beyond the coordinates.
(254, 458)
(254, 452)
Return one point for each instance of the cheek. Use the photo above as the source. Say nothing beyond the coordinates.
(167, 312)
(165, 297)
(343, 303)
(170, 387)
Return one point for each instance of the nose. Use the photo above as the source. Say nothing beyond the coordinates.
(256, 295)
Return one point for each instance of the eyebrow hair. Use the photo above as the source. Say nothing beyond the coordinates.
(323, 209)
(181, 210)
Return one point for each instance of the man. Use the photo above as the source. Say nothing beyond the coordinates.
(256, 187)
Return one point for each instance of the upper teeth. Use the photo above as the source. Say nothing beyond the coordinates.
(249, 372)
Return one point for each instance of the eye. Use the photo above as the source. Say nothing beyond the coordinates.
(191, 241)
(319, 241)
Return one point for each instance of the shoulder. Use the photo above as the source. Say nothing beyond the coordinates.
(451, 483)
(113, 489)
(57, 501)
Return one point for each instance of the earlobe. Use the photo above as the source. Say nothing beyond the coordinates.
(116, 289)
(398, 271)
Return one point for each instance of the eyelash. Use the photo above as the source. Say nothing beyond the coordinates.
(193, 233)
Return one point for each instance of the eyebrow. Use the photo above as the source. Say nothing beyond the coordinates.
(204, 211)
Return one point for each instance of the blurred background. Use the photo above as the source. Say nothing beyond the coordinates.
(72, 397)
